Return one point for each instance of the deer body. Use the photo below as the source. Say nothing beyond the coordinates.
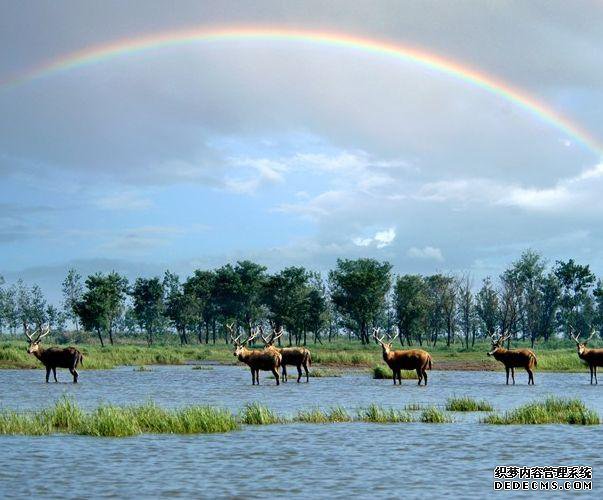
(592, 357)
(268, 359)
(411, 359)
(55, 357)
(298, 357)
(514, 358)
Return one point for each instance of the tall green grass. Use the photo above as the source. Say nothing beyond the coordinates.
(377, 414)
(465, 403)
(552, 410)
(318, 416)
(118, 421)
(258, 414)
(432, 415)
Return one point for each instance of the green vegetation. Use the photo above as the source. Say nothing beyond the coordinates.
(432, 415)
(376, 414)
(118, 421)
(383, 372)
(560, 357)
(466, 403)
(143, 368)
(321, 373)
(550, 411)
(258, 414)
(318, 416)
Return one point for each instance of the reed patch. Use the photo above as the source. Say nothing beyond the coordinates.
(552, 410)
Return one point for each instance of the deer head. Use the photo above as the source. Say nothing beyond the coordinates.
(238, 345)
(497, 342)
(34, 343)
(581, 346)
(379, 339)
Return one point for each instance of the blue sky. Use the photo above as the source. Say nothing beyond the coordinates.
(293, 154)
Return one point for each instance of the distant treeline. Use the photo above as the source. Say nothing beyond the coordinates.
(530, 299)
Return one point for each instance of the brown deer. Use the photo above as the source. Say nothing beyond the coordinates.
(411, 359)
(293, 356)
(593, 357)
(513, 358)
(256, 359)
(54, 357)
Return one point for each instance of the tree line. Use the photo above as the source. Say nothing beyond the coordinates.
(531, 300)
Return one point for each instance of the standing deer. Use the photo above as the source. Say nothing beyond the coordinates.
(294, 356)
(593, 357)
(513, 358)
(256, 359)
(411, 359)
(54, 357)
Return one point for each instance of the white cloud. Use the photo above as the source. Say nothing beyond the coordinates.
(380, 240)
(428, 253)
(126, 200)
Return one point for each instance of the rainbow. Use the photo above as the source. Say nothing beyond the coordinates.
(523, 100)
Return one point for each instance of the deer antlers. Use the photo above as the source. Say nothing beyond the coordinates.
(45, 330)
(235, 340)
(275, 334)
(577, 339)
(380, 339)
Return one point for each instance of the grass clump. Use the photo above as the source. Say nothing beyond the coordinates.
(552, 410)
(203, 367)
(465, 403)
(383, 372)
(325, 372)
(432, 415)
(318, 416)
(258, 414)
(377, 414)
(142, 368)
(117, 421)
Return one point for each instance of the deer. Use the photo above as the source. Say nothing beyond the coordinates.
(54, 357)
(513, 358)
(410, 359)
(293, 356)
(593, 357)
(256, 359)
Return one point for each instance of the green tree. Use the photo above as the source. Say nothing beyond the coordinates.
(72, 294)
(102, 303)
(487, 306)
(180, 307)
(358, 291)
(148, 305)
(466, 309)
(411, 306)
(575, 282)
(201, 289)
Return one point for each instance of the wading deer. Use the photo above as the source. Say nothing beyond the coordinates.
(513, 358)
(293, 356)
(593, 357)
(54, 357)
(256, 359)
(411, 359)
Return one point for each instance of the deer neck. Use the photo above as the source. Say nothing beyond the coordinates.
(501, 353)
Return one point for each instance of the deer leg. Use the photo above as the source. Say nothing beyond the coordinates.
(419, 375)
(400, 377)
(299, 373)
(595, 370)
(75, 374)
(257, 376)
(513, 374)
(507, 369)
(530, 376)
(54, 373)
(276, 376)
(47, 373)
(284, 376)
(425, 375)
(252, 376)
(307, 372)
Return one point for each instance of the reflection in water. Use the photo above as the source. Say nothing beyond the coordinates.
(337, 460)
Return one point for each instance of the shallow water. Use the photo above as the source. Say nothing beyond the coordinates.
(336, 460)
